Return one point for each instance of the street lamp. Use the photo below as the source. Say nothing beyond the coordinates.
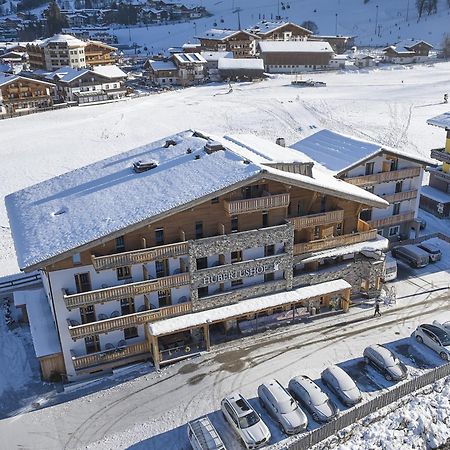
(376, 21)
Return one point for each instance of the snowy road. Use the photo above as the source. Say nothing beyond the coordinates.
(150, 411)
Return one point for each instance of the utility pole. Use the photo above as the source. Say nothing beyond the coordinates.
(407, 11)
(335, 25)
(376, 21)
(238, 11)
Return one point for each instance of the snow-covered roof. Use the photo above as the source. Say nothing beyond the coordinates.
(68, 39)
(295, 47)
(189, 45)
(162, 65)
(110, 71)
(408, 44)
(338, 152)
(253, 305)
(42, 326)
(67, 73)
(265, 27)
(188, 58)
(75, 210)
(218, 34)
(215, 56)
(6, 78)
(435, 194)
(442, 121)
(241, 63)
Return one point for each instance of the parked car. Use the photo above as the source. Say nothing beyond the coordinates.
(414, 256)
(433, 251)
(245, 421)
(435, 337)
(385, 362)
(390, 268)
(445, 325)
(312, 398)
(277, 401)
(342, 385)
(203, 436)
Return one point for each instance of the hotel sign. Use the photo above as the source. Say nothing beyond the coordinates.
(237, 273)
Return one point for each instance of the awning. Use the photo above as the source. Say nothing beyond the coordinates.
(188, 321)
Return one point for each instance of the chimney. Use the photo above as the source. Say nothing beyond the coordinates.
(280, 141)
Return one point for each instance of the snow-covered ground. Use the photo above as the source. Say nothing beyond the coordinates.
(150, 410)
(390, 105)
(354, 18)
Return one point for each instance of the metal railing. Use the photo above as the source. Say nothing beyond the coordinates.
(334, 241)
(313, 220)
(351, 416)
(125, 291)
(139, 256)
(384, 177)
(129, 320)
(256, 204)
(18, 280)
(392, 220)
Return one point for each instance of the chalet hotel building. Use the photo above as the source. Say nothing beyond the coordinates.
(162, 251)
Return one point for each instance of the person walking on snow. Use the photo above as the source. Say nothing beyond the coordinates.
(377, 309)
(445, 98)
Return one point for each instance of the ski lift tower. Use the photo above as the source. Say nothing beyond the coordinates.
(238, 11)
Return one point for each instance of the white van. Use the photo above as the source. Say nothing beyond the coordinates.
(203, 436)
(390, 268)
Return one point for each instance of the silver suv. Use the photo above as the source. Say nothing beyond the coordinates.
(245, 421)
(277, 401)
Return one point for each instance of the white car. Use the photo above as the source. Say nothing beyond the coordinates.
(385, 362)
(342, 385)
(245, 421)
(313, 398)
(277, 401)
(436, 337)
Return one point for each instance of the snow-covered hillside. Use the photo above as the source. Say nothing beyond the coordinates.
(345, 17)
(389, 105)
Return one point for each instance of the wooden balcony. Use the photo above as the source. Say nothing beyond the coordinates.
(313, 220)
(441, 175)
(139, 256)
(334, 241)
(392, 220)
(441, 155)
(129, 320)
(249, 205)
(384, 177)
(124, 291)
(95, 359)
(400, 196)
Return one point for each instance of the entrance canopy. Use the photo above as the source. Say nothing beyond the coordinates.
(210, 316)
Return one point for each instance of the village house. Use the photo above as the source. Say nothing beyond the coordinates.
(241, 69)
(362, 60)
(241, 43)
(234, 227)
(280, 31)
(295, 56)
(162, 73)
(17, 61)
(407, 51)
(435, 198)
(391, 174)
(99, 54)
(339, 44)
(22, 95)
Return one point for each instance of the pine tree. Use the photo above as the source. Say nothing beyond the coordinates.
(55, 20)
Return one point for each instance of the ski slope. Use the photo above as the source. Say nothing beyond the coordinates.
(395, 21)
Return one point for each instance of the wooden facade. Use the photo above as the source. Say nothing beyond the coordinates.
(99, 54)
(284, 32)
(241, 43)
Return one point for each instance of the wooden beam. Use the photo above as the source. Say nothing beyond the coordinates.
(207, 337)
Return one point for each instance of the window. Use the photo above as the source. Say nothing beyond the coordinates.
(396, 209)
(87, 314)
(366, 215)
(127, 306)
(394, 164)
(393, 231)
(369, 168)
(398, 186)
(269, 250)
(123, 272)
(159, 236)
(215, 200)
(92, 344)
(317, 232)
(83, 282)
(269, 277)
(234, 224)
(164, 298)
(130, 333)
(300, 208)
(265, 218)
(162, 268)
(202, 263)
(236, 256)
(198, 230)
(76, 258)
(203, 291)
(338, 230)
(120, 244)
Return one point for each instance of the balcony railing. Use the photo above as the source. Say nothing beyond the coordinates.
(125, 290)
(139, 256)
(313, 220)
(334, 241)
(441, 155)
(441, 175)
(129, 320)
(400, 196)
(94, 359)
(249, 205)
(392, 220)
(384, 177)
